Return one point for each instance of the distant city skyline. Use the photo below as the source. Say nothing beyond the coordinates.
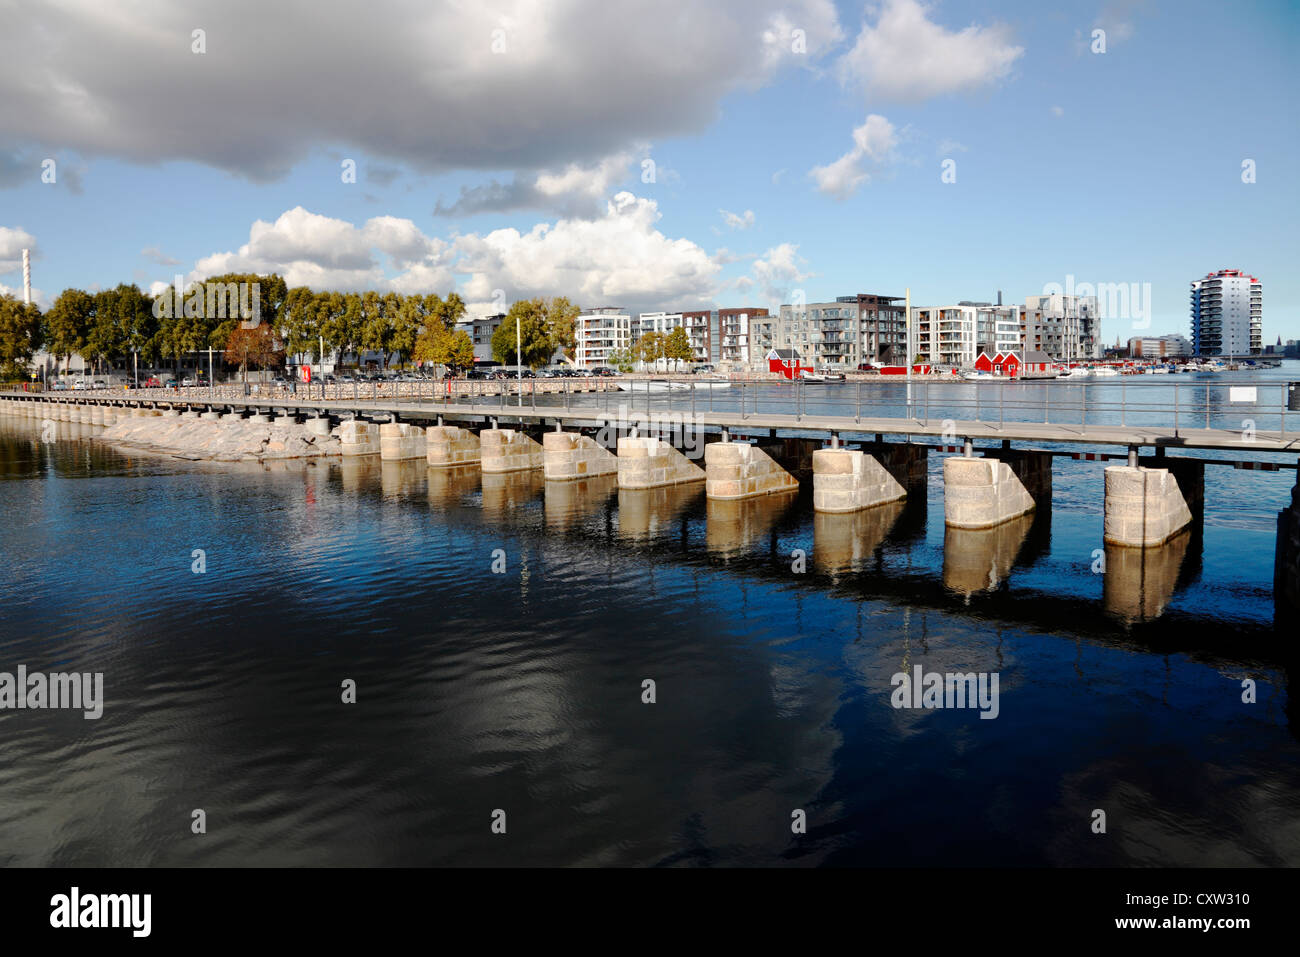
(747, 154)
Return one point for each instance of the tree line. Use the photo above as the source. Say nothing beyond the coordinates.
(107, 327)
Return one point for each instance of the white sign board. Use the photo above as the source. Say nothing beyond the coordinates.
(1241, 393)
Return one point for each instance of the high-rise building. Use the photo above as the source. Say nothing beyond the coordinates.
(1064, 327)
(1227, 314)
(598, 333)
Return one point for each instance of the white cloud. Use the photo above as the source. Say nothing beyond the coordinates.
(947, 147)
(620, 258)
(578, 189)
(13, 240)
(738, 220)
(39, 296)
(874, 144)
(907, 57)
(1058, 111)
(777, 270)
(575, 82)
(776, 177)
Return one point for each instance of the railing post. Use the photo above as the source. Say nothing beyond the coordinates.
(1175, 410)
(857, 413)
(1123, 404)
(1207, 406)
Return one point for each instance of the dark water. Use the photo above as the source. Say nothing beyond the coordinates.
(522, 691)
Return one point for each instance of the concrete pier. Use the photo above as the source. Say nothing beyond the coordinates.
(847, 480)
(359, 437)
(738, 470)
(399, 441)
(572, 455)
(652, 463)
(449, 446)
(508, 450)
(318, 425)
(981, 492)
(1148, 506)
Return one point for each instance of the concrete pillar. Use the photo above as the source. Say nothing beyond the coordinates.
(96, 415)
(319, 425)
(190, 414)
(210, 415)
(846, 480)
(358, 437)
(651, 463)
(1148, 506)
(284, 419)
(259, 417)
(572, 455)
(507, 450)
(450, 447)
(736, 470)
(984, 492)
(1286, 559)
(399, 441)
(171, 413)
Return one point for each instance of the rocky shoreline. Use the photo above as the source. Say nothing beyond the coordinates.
(226, 439)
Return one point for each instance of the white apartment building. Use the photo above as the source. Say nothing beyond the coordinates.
(480, 331)
(1159, 347)
(954, 336)
(600, 332)
(845, 333)
(1064, 327)
(1227, 314)
(665, 322)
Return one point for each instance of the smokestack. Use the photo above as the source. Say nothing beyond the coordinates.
(27, 276)
(999, 297)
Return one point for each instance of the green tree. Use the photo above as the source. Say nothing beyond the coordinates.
(67, 324)
(547, 326)
(677, 345)
(622, 360)
(21, 335)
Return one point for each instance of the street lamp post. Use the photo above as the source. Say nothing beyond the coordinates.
(519, 362)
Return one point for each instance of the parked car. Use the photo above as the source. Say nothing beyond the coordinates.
(152, 382)
(100, 384)
(189, 381)
(59, 386)
(279, 381)
(80, 385)
(169, 384)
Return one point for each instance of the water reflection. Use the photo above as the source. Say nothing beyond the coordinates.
(734, 525)
(1140, 582)
(848, 542)
(980, 559)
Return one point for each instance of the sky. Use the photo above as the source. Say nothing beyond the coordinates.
(658, 154)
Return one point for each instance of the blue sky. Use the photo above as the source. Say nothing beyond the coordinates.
(1115, 167)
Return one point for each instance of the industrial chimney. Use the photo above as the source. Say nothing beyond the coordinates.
(27, 276)
(999, 297)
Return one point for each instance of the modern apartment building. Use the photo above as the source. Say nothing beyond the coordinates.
(717, 335)
(1064, 327)
(1159, 347)
(844, 333)
(480, 331)
(1227, 314)
(598, 333)
(954, 336)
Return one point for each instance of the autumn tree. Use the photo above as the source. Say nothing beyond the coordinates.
(677, 345)
(257, 346)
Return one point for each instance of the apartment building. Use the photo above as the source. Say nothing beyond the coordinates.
(715, 335)
(1227, 314)
(598, 333)
(480, 331)
(1064, 327)
(1159, 347)
(844, 333)
(954, 336)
